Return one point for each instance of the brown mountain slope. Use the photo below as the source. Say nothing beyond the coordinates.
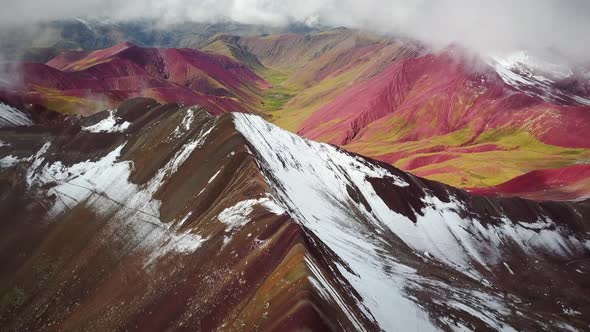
(159, 217)
(133, 264)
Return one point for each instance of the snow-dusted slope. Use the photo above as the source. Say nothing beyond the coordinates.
(525, 61)
(313, 181)
(108, 227)
(542, 78)
(12, 117)
(183, 220)
(109, 124)
(334, 195)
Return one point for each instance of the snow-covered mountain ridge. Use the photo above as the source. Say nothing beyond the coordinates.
(550, 81)
(169, 218)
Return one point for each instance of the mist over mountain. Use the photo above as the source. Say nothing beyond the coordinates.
(488, 27)
(43, 40)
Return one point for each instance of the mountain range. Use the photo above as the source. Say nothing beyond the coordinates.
(366, 93)
(178, 219)
(222, 177)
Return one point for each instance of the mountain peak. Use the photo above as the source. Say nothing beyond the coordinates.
(125, 44)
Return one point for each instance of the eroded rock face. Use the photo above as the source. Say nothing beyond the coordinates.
(157, 217)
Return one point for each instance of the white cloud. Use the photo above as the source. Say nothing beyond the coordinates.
(487, 26)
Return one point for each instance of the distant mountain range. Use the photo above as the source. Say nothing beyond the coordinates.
(443, 115)
(85, 82)
(42, 41)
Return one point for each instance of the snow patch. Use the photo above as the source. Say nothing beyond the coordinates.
(565, 326)
(12, 117)
(459, 241)
(508, 268)
(209, 182)
(184, 126)
(522, 60)
(104, 186)
(484, 316)
(181, 222)
(272, 206)
(108, 125)
(571, 312)
(9, 161)
(38, 159)
(181, 243)
(238, 215)
(214, 176)
(535, 76)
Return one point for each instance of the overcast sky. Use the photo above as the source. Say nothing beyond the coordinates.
(488, 26)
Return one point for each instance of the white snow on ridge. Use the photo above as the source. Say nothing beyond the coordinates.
(9, 161)
(534, 76)
(458, 242)
(184, 126)
(312, 179)
(582, 100)
(11, 117)
(329, 293)
(86, 23)
(104, 185)
(209, 182)
(76, 183)
(108, 125)
(523, 60)
(239, 215)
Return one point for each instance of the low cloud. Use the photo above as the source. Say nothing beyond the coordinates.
(489, 27)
